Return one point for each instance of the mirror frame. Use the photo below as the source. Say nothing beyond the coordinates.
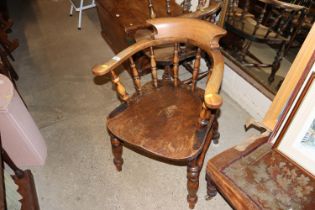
(303, 61)
(304, 58)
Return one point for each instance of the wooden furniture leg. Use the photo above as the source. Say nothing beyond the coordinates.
(276, 64)
(216, 133)
(192, 183)
(211, 189)
(117, 152)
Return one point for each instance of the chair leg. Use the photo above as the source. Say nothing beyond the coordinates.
(211, 189)
(117, 152)
(216, 133)
(276, 63)
(192, 183)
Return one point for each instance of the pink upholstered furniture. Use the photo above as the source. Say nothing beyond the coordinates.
(20, 136)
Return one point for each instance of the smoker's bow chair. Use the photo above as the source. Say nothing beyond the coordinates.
(166, 118)
(271, 25)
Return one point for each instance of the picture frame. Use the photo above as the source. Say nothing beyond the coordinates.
(296, 139)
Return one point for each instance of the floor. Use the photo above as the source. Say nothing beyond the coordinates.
(54, 62)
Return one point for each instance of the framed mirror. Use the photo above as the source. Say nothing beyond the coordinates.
(264, 38)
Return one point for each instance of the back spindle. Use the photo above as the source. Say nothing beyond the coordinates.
(135, 75)
(153, 67)
(121, 90)
(176, 65)
(151, 10)
(168, 7)
(196, 69)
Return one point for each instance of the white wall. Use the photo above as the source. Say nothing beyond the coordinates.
(248, 97)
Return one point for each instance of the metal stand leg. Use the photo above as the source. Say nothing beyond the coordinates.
(80, 15)
(71, 9)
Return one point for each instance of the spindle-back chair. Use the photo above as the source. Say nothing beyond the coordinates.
(272, 26)
(166, 118)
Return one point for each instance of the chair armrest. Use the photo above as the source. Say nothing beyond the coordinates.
(204, 12)
(102, 69)
(212, 99)
(283, 5)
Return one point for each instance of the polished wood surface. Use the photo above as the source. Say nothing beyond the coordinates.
(165, 118)
(180, 30)
(117, 17)
(163, 110)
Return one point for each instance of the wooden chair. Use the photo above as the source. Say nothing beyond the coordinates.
(167, 119)
(271, 25)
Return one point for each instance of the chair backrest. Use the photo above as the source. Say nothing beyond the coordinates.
(205, 36)
(274, 16)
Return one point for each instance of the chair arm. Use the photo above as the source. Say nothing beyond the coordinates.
(204, 12)
(118, 59)
(212, 99)
(283, 5)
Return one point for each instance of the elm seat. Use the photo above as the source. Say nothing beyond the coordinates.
(171, 132)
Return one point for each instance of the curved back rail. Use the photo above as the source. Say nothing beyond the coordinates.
(202, 34)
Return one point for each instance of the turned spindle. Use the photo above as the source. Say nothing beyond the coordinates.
(176, 65)
(192, 183)
(204, 115)
(135, 75)
(151, 10)
(168, 7)
(153, 67)
(121, 90)
(260, 19)
(196, 69)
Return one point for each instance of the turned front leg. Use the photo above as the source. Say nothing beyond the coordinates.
(211, 189)
(117, 152)
(192, 183)
(216, 133)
